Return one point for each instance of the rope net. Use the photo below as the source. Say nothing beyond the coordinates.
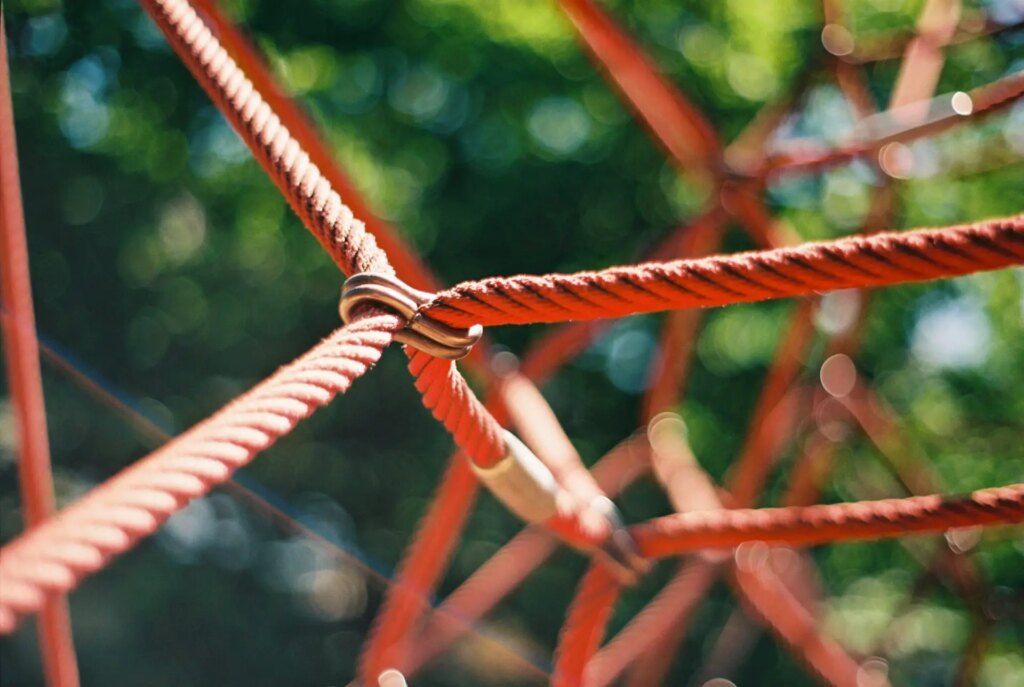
(545, 481)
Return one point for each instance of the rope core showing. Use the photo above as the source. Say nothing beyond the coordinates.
(421, 331)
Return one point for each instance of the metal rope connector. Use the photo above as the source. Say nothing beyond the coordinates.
(620, 548)
(421, 332)
(521, 481)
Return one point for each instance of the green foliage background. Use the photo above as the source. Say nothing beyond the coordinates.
(166, 264)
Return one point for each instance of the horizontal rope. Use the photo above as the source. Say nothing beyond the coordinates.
(875, 260)
(55, 556)
(806, 525)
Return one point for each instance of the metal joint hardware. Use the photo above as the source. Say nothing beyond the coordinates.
(421, 332)
(620, 549)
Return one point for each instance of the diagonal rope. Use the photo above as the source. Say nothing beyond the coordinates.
(57, 554)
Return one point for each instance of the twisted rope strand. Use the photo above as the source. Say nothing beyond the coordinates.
(807, 525)
(56, 555)
(309, 193)
(407, 264)
(683, 131)
(876, 260)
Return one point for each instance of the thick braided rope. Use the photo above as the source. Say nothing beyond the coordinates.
(875, 260)
(454, 405)
(300, 181)
(55, 556)
(807, 525)
(316, 202)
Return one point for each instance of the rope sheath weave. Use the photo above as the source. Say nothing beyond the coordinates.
(55, 556)
(876, 260)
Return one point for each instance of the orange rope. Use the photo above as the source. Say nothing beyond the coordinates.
(767, 597)
(805, 525)
(407, 265)
(21, 351)
(876, 260)
(53, 557)
(307, 190)
(669, 608)
(421, 569)
(509, 567)
(985, 100)
(584, 626)
(677, 124)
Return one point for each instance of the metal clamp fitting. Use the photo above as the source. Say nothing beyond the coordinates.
(421, 332)
(521, 481)
(620, 548)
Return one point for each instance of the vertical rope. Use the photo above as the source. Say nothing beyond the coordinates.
(26, 385)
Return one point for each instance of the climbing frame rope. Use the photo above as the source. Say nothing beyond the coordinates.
(566, 502)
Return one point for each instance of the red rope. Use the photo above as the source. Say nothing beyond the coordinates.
(750, 469)
(668, 609)
(876, 260)
(407, 265)
(985, 100)
(763, 593)
(446, 394)
(677, 124)
(806, 525)
(525, 552)
(21, 351)
(55, 556)
(308, 192)
(584, 626)
(421, 569)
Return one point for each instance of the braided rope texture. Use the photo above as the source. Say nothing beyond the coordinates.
(300, 181)
(451, 401)
(876, 260)
(55, 556)
(675, 534)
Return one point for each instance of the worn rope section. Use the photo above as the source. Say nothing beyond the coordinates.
(875, 260)
(55, 556)
(808, 525)
(21, 352)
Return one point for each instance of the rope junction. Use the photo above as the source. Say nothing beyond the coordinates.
(542, 479)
